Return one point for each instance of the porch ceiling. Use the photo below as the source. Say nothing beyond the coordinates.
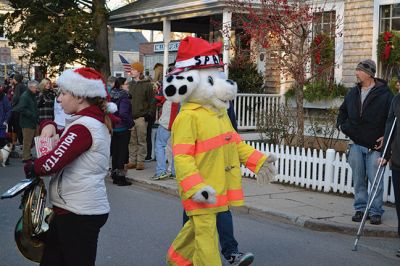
(185, 15)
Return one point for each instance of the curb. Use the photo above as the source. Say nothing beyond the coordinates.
(270, 214)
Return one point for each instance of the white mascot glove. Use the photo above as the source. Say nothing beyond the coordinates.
(268, 171)
(205, 195)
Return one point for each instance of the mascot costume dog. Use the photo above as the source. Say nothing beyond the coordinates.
(207, 150)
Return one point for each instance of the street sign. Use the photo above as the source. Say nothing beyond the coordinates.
(172, 47)
(5, 55)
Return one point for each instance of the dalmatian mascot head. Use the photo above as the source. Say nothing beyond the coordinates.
(197, 77)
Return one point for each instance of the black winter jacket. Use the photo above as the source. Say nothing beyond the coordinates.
(393, 149)
(364, 126)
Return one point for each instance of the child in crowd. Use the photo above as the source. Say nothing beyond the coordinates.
(121, 131)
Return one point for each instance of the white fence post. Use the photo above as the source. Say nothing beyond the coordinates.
(330, 157)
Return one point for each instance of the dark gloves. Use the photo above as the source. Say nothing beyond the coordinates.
(29, 169)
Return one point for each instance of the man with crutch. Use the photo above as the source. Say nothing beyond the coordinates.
(362, 118)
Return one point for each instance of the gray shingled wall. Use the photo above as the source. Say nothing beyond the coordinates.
(358, 28)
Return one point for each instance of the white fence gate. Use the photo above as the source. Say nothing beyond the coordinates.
(316, 170)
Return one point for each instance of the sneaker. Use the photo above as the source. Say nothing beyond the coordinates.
(161, 176)
(170, 175)
(241, 259)
(376, 219)
(357, 217)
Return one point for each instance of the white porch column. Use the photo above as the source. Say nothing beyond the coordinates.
(226, 29)
(152, 36)
(111, 37)
(166, 36)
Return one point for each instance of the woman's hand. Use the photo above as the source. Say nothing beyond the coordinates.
(48, 131)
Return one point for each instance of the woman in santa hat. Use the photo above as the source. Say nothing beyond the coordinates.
(79, 164)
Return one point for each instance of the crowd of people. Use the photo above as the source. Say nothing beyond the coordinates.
(76, 109)
(31, 108)
(25, 104)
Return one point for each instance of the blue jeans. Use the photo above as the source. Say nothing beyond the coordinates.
(364, 163)
(227, 240)
(162, 137)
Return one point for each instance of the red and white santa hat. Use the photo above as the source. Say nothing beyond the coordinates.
(85, 82)
(196, 53)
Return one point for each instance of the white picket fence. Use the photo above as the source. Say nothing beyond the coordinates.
(316, 170)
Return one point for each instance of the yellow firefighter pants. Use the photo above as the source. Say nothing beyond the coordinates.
(196, 243)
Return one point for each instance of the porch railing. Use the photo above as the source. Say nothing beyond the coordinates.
(247, 106)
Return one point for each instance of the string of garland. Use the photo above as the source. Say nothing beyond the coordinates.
(389, 47)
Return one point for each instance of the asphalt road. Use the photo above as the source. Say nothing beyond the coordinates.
(143, 223)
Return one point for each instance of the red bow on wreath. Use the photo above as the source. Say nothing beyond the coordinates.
(317, 55)
(388, 47)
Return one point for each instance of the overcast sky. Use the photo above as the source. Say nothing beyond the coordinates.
(113, 4)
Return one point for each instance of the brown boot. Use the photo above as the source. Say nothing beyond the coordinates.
(130, 166)
(140, 166)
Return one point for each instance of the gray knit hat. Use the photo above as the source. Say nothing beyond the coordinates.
(368, 66)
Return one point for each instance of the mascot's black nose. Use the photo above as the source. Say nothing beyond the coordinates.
(230, 82)
(170, 90)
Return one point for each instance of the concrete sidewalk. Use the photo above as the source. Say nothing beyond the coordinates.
(306, 208)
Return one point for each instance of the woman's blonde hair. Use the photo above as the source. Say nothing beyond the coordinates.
(43, 83)
(102, 104)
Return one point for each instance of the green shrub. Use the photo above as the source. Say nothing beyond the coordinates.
(320, 90)
(246, 75)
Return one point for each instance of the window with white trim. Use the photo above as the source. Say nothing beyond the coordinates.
(389, 18)
(325, 23)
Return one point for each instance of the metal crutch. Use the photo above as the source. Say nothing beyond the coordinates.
(375, 185)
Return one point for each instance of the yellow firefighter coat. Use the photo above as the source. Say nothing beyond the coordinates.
(208, 151)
